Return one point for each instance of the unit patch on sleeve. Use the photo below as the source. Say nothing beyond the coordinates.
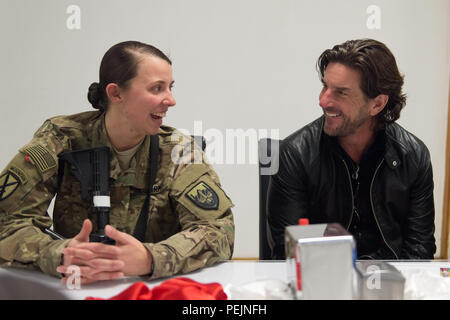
(19, 174)
(203, 196)
(42, 158)
(8, 184)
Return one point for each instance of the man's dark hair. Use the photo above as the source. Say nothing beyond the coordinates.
(378, 69)
(119, 65)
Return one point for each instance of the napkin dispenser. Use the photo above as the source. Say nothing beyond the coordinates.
(320, 261)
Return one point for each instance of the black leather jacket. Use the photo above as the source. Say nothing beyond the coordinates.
(313, 181)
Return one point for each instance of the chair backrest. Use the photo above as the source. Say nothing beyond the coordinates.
(268, 151)
(200, 141)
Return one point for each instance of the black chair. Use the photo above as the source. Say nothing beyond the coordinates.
(200, 141)
(268, 150)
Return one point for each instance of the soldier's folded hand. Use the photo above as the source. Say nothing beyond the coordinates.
(98, 261)
(94, 265)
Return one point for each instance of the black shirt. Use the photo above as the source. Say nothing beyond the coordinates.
(363, 225)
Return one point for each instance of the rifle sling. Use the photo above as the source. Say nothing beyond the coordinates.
(141, 224)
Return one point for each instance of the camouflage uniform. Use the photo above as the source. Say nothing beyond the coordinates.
(190, 223)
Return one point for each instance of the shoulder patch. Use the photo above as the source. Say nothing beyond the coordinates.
(203, 196)
(19, 174)
(8, 184)
(41, 157)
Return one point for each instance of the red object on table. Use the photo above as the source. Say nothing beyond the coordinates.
(174, 289)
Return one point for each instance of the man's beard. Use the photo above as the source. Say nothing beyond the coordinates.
(347, 126)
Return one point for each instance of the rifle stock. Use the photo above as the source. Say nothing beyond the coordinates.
(91, 168)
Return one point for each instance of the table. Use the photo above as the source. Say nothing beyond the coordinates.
(423, 280)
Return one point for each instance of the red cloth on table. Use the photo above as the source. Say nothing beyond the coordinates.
(173, 289)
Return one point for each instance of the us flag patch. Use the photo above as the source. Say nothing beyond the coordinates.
(41, 157)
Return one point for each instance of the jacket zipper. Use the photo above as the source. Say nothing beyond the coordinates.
(371, 203)
(373, 210)
(351, 189)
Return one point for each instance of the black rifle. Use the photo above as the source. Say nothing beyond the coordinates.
(91, 168)
(90, 163)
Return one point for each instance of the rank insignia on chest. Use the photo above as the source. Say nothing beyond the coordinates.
(203, 196)
(8, 184)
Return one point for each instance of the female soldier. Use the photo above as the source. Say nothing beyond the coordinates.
(190, 223)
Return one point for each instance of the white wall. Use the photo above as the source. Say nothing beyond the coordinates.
(246, 64)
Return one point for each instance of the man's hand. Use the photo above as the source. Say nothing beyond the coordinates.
(98, 261)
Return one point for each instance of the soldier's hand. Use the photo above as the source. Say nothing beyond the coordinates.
(136, 258)
(93, 266)
(100, 261)
(82, 236)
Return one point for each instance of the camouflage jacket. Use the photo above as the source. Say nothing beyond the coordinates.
(190, 223)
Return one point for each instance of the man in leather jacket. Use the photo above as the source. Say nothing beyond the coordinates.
(355, 165)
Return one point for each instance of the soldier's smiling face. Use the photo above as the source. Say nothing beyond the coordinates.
(148, 95)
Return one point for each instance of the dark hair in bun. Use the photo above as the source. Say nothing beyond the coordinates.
(95, 96)
(119, 65)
